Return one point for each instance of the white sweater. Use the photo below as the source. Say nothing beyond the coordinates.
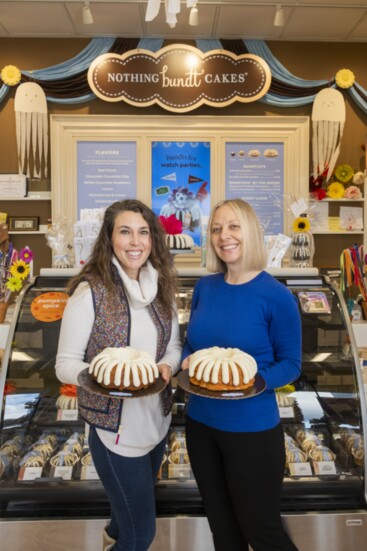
(144, 425)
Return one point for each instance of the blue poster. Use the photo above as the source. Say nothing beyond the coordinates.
(106, 173)
(181, 183)
(255, 173)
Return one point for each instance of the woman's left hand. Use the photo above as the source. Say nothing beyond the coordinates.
(165, 371)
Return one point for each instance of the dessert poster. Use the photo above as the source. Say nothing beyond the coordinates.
(255, 173)
(181, 183)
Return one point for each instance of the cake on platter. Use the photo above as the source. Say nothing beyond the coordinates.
(124, 369)
(222, 369)
(175, 239)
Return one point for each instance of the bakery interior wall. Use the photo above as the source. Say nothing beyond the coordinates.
(309, 60)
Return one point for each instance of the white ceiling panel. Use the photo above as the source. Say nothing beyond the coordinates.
(305, 20)
(322, 23)
(36, 19)
(110, 19)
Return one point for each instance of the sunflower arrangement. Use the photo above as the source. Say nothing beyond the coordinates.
(301, 224)
(15, 269)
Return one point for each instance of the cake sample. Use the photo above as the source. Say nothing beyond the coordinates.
(124, 369)
(221, 369)
(322, 453)
(67, 398)
(283, 400)
(175, 239)
(295, 455)
(64, 458)
(180, 241)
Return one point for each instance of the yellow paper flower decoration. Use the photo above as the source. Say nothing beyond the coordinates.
(335, 190)
(344, 78)
(20, 269)
(301, 224)
(286, 388)
(14, 284)
(11, 75)
(344, 173)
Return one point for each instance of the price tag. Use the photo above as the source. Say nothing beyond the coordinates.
(300, 469)
(89, 473)
(64, 472)
(286, 412)
(30, 473)
(179, 471)
(67, 415)
(324, 467)
(298, 207)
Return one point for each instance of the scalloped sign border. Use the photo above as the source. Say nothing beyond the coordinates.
(179, 78)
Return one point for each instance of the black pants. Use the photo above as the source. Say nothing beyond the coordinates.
(240, 476)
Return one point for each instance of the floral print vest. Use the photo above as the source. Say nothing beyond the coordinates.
(112, 329)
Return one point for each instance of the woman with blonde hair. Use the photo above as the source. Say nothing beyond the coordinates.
(236, 447)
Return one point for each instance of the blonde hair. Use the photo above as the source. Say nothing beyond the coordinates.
(255, 255)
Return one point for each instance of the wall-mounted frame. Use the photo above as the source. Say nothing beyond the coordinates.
(23, 223)
(290, 133)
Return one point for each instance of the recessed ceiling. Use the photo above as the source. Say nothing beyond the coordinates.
(305, 20)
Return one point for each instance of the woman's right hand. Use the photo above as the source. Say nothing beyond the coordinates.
(185, 363)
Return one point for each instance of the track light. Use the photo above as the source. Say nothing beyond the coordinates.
(87, 14)
(279, 17)
(194, 16)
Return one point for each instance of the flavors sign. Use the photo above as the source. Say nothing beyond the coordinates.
(179, 78)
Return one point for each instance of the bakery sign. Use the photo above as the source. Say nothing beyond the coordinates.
(179, 77)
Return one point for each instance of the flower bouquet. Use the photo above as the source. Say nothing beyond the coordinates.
(343, 184)
(15, 269)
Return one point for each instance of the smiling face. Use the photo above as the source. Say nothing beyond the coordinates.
(131, 242)
(227, 237)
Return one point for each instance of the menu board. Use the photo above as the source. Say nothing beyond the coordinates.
(254, 172)
(106, 173)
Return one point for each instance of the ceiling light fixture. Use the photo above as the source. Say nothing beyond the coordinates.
(194, 16)
(172, 9)
(279, 16)
(87, 14)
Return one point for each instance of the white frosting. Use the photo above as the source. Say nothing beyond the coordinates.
(131, 366)
(180, 241)
(283, 400)
(205, 365)
(67, 402)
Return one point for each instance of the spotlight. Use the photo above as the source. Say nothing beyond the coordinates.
(194, 16)
(279, 17)
(87, 14)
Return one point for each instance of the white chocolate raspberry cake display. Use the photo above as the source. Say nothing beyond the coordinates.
(175, 239)
(124, 369)
(222, 369)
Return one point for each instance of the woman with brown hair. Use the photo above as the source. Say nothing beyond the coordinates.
(124, 296)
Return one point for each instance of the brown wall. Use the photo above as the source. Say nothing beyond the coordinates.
(305, 60)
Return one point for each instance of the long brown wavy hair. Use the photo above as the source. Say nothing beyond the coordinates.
(99, 265)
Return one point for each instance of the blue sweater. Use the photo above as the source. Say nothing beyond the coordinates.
(260, 317)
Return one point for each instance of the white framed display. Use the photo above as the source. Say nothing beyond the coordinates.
(288, 136)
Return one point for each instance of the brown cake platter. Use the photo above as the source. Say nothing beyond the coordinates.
(88, 383)
(183, 381)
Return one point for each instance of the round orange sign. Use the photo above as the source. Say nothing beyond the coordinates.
(49, 306)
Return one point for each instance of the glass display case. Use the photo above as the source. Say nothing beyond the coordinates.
(46, 472)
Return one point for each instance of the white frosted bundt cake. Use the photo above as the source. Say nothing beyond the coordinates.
(175, 239)
(222, 369)
(180, 241)
(124, 369)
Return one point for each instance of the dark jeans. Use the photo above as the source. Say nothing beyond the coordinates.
(240, 478)
(129, 484)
